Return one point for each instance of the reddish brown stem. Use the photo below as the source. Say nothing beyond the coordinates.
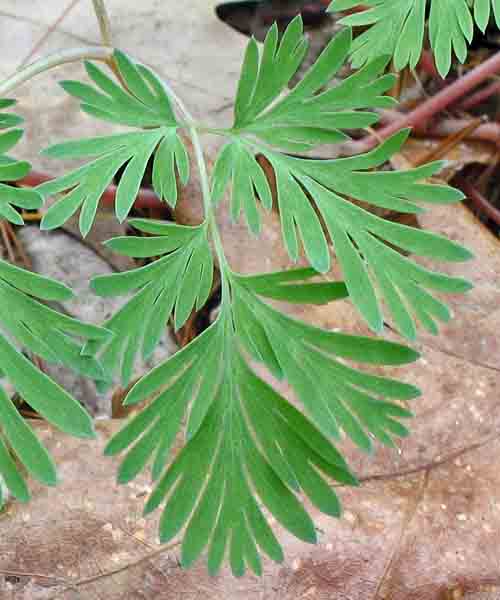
(487, 132)
(477, 199)
(447, 144)
(421, 116)
(480, 96)
(145, 198)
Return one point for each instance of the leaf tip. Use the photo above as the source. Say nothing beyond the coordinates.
(45, 225)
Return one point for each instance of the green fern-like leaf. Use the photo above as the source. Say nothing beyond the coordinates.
(306, 187)
(27, 323)
(177, 283)
(246, 452)
(31, 325)
(144, 105)
(397, 27)
(11, 170)
(245, 442)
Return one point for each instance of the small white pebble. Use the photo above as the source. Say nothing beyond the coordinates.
(329, 547)
(296, 564)
(462, 517)
(119, 557)
(443, 506)
(117, 535)
(349, 516)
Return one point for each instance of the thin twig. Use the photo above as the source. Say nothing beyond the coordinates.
(143, 559)
(14, 573)
(407, 521)
(447, 144)
(19, 247)
(480, 96)
(487, 132)
(478, 199)
(5, 238)
(104, 22)
(74, 585)
(49, 31)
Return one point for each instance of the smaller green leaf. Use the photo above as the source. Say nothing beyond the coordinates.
(6, 103)
(45, 396)
(130, 181)
(133, 78)
(222, 171)
(30, 451)
(144, 247)
(248, 78)
(34, 284)
(280, 286)
(171, 154)
(9, 140)
(13, 479)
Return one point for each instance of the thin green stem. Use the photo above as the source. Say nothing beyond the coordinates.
(54, 60)
(104, 22)
(207, 198)
(213, 130)
(205, 187)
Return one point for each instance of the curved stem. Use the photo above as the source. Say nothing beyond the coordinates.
(205, 186)
(104, 23)
(207, 199)
(54, 60)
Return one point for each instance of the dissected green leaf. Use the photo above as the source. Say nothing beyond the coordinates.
(246, 445)
(283, 285)
(246, 453)
(26, 324)
(314, 196)
(144, 105)
(54, 337)
(397, 27)
(312, 113)
(175, 285)
(12, 170)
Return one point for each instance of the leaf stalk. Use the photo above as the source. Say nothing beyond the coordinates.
(51, 61)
